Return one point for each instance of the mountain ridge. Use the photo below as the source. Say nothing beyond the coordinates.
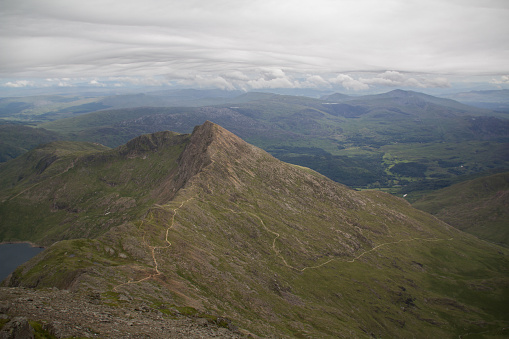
(226, 230)
(406, 98)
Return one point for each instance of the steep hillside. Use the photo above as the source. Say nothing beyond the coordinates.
(72, 189)
(274, 249)
(479, 207)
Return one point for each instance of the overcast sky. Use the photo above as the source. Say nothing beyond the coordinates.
(254, 44)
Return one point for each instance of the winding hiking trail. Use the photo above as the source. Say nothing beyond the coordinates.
(274, 246)
(153, 248)
(277, 235)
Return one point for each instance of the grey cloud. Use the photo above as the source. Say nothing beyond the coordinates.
(397, 79)
(316, 81)
(255, 44)
(349, 83)
(19, 83)
(502, 80)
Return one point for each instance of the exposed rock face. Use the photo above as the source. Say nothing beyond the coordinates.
(17, 328)
(196, 154)
(209, 144)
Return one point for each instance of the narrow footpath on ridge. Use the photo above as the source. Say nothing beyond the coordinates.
(267, 229)
(277, 235)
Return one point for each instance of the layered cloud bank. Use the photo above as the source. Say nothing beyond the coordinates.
(268, 78)
(354, 44)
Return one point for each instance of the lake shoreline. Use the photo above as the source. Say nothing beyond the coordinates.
(21, 242)
(16, 253)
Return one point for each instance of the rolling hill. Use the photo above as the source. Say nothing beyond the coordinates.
(479, 207)
(16, 140)
(210, 226)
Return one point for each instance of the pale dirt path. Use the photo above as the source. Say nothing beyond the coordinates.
(274, 246)
(153, 248)
(278, 253)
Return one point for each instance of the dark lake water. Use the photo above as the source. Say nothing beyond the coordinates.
(13, 255)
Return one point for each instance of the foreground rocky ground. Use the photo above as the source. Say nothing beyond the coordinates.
(65, 314)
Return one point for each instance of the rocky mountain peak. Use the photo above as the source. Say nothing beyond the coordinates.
(212, 138)
(210, 143)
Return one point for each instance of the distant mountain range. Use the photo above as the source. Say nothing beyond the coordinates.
(357, 141)
(495, 99)
(207, 226)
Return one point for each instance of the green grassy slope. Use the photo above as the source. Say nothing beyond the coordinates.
(71, 189)
(282, 251)
(479, 207)
(43, 162)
